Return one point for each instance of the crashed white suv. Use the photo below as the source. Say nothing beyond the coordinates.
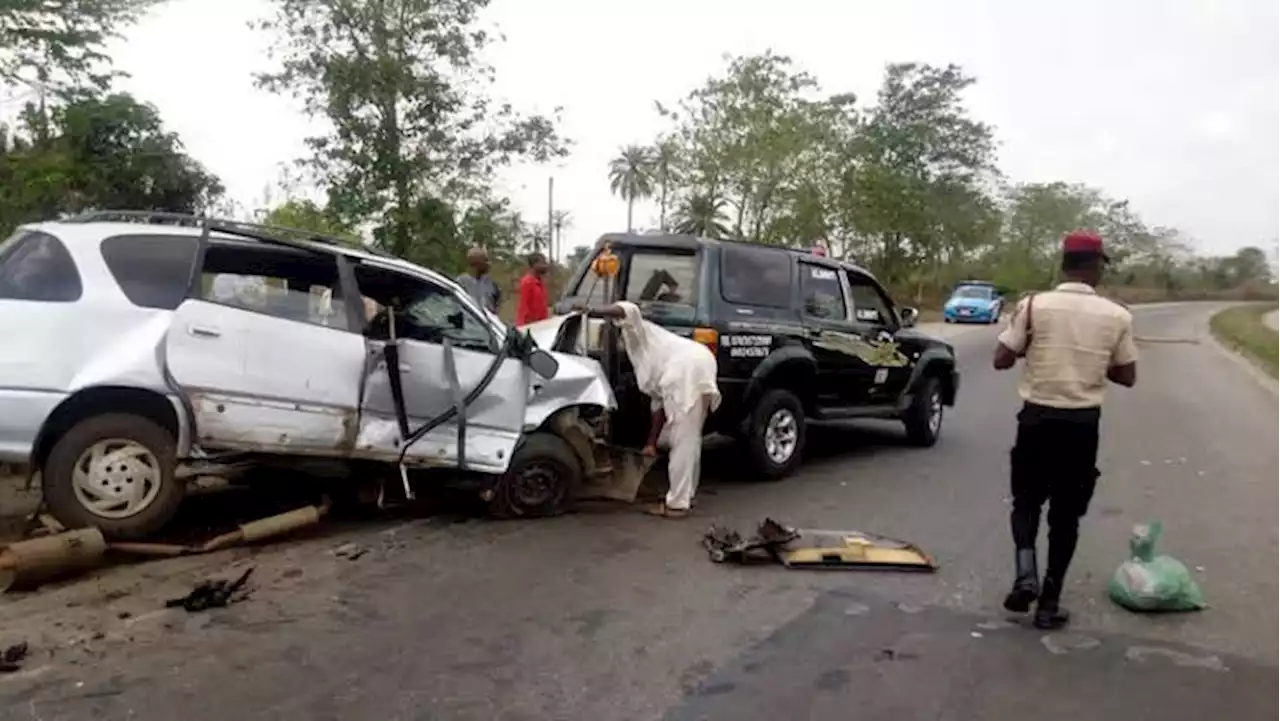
(138, 343)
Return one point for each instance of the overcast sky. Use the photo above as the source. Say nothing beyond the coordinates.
(1171, 103)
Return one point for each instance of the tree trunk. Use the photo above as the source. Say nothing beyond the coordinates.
(662, 204)
(631, 199)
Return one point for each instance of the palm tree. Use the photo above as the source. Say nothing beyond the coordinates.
(560, 220)
(631, 176)
(664, 160)
(702, 214)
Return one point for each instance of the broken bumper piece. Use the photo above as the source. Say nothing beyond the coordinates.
(809, 548)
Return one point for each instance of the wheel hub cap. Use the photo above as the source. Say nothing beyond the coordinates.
(781, 436)
(116, 478)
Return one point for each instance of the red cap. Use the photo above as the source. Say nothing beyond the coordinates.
(1084, 241)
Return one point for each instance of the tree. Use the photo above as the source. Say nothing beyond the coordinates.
(307, 215)
(403, 88)
(702, 215)
(59, 46)
(631, 176)
(560, 220)
(665, 154)
(108, 153)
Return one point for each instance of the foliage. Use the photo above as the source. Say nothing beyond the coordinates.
(631, 176)
(98, 153)
(307, 215)
(59, 45)
(1242, 328)
(411, 131)
(907, 185)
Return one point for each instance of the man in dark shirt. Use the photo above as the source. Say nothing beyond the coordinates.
(477, 283)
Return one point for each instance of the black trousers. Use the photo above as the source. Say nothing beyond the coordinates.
(1054, 460)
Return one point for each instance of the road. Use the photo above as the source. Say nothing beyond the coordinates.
(607, 616)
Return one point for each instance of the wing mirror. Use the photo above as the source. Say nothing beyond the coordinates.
(543, 363)
(908, 316)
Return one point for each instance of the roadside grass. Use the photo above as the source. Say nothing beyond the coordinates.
(1241, 329)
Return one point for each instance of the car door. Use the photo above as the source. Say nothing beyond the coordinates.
(843, 376)
(262, 365)
(887, 360)
(438, 334)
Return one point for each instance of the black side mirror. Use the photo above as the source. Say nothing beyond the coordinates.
(543, 363)
(908, 316)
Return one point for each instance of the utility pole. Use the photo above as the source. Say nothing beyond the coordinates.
(551, 219)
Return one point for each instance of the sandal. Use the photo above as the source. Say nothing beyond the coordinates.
(662, 511)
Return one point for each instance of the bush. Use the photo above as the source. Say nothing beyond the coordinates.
(1242, 329)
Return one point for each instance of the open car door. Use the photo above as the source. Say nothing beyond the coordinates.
(450, 396)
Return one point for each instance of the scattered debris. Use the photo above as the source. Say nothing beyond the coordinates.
(1140, 654)
(11, 657)
(807, 548)
(890, 654)
(1059, 644)
(30, 563)
(350, 551)
(213, 594)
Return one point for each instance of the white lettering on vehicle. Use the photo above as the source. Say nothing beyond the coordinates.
(747, 346)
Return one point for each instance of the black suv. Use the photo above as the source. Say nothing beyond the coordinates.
(797, 337)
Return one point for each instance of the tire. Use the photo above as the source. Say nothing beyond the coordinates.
(769, 415)
(541, 480)
(149, 467)
(922, 430)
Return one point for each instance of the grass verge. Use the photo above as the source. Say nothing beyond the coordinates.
(1241, 329)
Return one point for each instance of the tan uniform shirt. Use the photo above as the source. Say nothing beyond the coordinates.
(1076, 335)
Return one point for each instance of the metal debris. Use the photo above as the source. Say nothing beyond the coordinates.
(350, 551)
(810, 548)
(11, 657)
(213, 594)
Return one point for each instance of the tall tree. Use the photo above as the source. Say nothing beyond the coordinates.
(306, 215)
(59, 45)
(111, 152)
(703, 215)
(404, 90)
(631, 176)
(665, 155)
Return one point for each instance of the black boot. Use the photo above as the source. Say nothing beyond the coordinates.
(1050, 616)
(1026, 586)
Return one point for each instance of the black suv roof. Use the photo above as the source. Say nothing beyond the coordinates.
(681, 241)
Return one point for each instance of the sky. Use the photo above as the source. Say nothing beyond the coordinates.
(1173, 104)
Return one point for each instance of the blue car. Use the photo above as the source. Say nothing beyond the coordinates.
(973, 302)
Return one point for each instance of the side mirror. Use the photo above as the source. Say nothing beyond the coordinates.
(908, 316)
(543, 363)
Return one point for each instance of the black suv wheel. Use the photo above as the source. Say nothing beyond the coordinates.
(924, 418)
(776, 434)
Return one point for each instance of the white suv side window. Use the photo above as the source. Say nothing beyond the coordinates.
(424, 311)
(282, 282)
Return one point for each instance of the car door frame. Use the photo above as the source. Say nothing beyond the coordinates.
(887, 382)
(849, 375)
(474, 426)
(228, 419)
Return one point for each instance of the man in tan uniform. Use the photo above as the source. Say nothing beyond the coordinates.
(1073, 341)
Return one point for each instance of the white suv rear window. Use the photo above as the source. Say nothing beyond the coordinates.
(37, 267)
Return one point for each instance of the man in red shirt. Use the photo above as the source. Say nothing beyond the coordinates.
(531, 301)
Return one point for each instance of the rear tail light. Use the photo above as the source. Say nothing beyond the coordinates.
(708, 337)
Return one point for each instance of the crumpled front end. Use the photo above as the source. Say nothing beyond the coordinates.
(580, 382)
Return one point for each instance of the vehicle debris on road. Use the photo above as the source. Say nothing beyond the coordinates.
(213, 594)
(810, 548)
(11, 658)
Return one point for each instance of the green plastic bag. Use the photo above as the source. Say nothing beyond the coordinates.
(1147, 582)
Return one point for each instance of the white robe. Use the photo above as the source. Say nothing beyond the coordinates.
(679, 376)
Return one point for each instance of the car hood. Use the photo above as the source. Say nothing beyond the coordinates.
(580, 381)
(978, 303)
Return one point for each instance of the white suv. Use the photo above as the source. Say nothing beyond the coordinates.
(135, 342)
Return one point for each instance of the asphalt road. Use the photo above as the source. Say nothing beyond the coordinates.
(607, 616)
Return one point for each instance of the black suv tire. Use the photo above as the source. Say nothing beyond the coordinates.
(58, 475)
(541, 480)
(778, 411)
(924, 418)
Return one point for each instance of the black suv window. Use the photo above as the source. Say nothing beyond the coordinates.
(152, 270)
(821, 291)
(37, 266)
(869, 304)
(755, 276)
(663, 277)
